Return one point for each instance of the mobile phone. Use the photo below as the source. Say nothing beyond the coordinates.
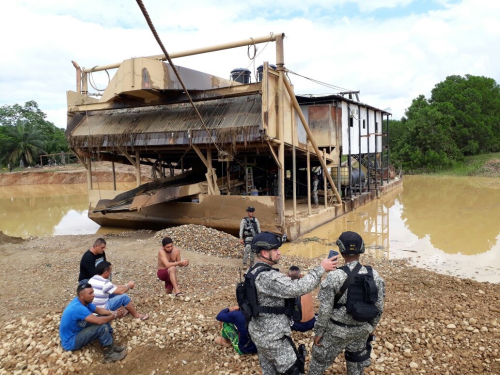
(332, 254)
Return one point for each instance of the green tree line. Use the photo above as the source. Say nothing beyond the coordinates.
(25, 134)
(461, 118)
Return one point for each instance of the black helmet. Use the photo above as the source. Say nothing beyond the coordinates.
(350, 243)
(250, 209)
(267, 241)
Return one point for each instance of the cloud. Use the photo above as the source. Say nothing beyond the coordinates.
(391, 60)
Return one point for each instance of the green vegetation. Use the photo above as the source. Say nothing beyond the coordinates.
(486, 165)
(459, 120)
(25, 134)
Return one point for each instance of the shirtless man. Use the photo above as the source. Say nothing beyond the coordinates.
(169, 258)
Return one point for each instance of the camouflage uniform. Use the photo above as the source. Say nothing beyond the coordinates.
(315, 191)
(247, 232)
(269, 331)
(350, 334)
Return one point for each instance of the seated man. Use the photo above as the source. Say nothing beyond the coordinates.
(169, 258)
(91, 258)
(79, 326)
(234, 331)
(109, 296)
(306, 303)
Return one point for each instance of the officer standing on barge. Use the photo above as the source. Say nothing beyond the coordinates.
(350, 309)
(271, 331)
(249, 227)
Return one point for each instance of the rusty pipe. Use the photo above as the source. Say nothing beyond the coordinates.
(78, 76)
(197, 51)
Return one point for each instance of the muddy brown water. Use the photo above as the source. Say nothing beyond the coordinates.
(447, 224)
(45, 210)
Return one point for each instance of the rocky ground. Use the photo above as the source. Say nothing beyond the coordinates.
(432, 324)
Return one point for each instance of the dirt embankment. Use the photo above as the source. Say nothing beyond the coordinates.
(74, 174)
(433, 324)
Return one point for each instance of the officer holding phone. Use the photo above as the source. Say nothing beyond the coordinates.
(271, 331)
(351, 304)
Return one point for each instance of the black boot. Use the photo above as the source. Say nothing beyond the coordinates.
(118, 349)
(110, 355)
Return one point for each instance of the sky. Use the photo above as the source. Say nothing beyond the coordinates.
(390, 50)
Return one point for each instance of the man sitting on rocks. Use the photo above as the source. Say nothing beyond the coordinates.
(234, 331)
(79, 326)
(91, 259)
(306, 303)
(109, 296)
(169, 258)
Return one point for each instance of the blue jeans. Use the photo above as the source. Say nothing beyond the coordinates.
(94, 332)
(116, 301)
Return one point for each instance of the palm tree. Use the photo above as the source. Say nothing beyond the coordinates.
(22, 142)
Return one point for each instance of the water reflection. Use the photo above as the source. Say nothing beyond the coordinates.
(448, 224)
(44, 210)
(458, 214)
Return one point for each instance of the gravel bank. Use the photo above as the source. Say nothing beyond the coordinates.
(433, 324)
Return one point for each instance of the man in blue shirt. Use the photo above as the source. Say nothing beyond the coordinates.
(79, 326)
(234, 331)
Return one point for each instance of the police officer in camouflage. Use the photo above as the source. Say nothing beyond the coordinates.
(249, 227)
(271, 331)
(336, 329)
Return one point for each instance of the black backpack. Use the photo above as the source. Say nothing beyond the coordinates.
(246, 296)
(362, 296)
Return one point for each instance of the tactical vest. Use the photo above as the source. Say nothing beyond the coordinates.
(246, 295)
(250, 228)
(362, 294)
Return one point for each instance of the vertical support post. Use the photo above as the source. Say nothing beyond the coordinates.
(309, 208)
(368, 172)
(381, 130)
(339, 178)
(349, 163)
(294, 172)
(280, 66)
(228, 178)
(375, 160)
(78, 77)
(211, 171)
(138, 167)
(182, 164)
(85, 89)
(359, 154)
(387, 143)
(246, 175)
(209, 159)
(89, 172)
(294, 164)
(114, 175)
(325, 171)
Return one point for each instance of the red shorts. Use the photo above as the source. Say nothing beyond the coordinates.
(164, 276)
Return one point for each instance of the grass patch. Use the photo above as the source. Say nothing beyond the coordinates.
(485, 165)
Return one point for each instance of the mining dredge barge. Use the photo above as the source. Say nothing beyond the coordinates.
(260, 146)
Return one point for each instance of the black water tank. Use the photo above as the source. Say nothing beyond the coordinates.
(240, 75)
(260, 69)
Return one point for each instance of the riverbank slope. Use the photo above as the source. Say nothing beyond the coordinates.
(432, 323)
(73, 174)
(484, 165)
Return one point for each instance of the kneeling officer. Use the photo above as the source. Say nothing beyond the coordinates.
(351, 304)
(270, 329)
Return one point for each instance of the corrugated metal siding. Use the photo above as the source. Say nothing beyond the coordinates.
(218, 115)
